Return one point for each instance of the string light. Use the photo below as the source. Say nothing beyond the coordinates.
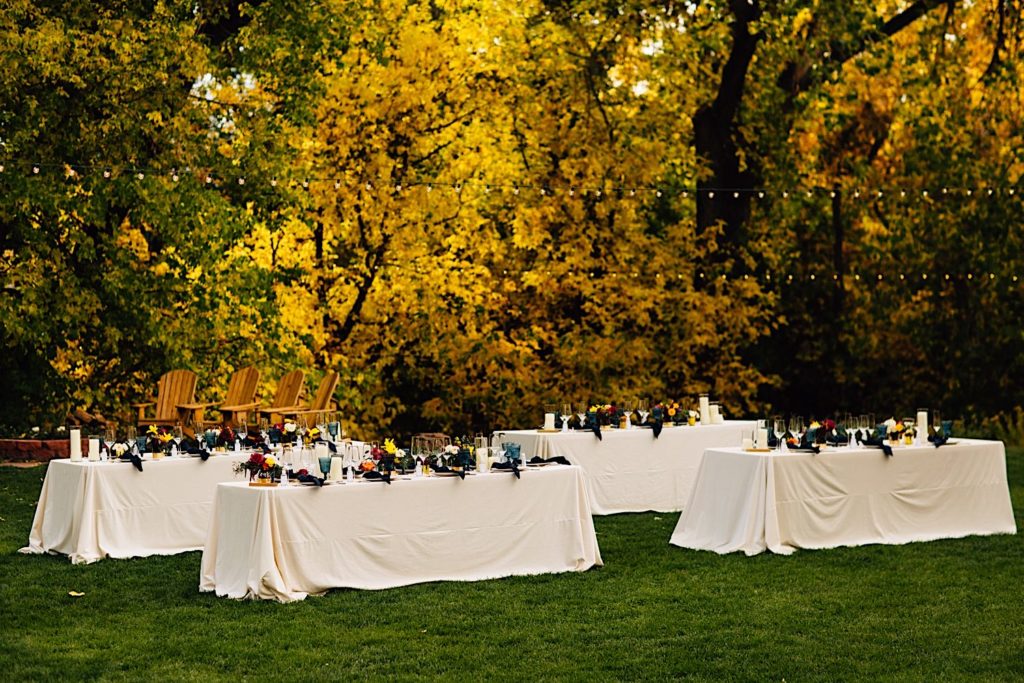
(35, 170)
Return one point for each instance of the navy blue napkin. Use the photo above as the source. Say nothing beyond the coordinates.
(507, 466)
(537, 460)
(375, 475)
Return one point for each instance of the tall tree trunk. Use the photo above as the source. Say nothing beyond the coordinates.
(715, 133)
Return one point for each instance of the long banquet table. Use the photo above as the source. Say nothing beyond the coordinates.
(288, 542)
(846, 497)
(629, 470)
(91, 510)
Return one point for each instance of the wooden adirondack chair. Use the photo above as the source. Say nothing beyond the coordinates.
(240, 399)
(175, 391)
(322, 402)
(289, 389)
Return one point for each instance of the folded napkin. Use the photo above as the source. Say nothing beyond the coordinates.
(133, 459)
(507, 466)
(374, 474)
(559, 460)
(190, 446)
(938, 440)
(595, 426)
(875, 442)
(442, 469)
(804, 448)
(304, 477)
(656, 427)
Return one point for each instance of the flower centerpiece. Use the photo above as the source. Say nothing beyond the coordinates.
(290, 432)
(159, 440)
(894, 429)
(263, 469)
(225, 438)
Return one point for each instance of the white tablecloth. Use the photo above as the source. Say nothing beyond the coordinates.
(630, 470)
(286, 542)
(846, 497)
(91, 510)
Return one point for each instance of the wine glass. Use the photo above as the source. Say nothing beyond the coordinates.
(581, 411)
(779, 430)
(628, 406)
(325, 465)
(643, 407)
(796, 427)
(936, 418)
(566, 414)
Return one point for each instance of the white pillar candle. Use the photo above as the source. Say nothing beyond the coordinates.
(482, 460)
(549, 421)
(705, 410)
(713, 416)
(336, 466)
(922, 426)
(76, 444)
(748, 443)
(762, 438)
(94, 450)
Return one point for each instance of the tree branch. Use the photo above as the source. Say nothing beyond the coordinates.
(798, 77)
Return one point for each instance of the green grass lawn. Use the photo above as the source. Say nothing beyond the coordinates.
(948, 609)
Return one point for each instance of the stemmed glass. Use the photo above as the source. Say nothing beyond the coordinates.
(908, 427)
(779, 429)
(936, 417)
(581, 411)
(796, 427)
(643, 407)
(628, 406)
(566, 414)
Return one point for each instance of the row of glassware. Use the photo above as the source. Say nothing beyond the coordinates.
(848, 429)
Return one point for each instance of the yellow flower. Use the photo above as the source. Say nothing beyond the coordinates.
(152, 429)
(390, 447)
(814, 425)
(271, 461)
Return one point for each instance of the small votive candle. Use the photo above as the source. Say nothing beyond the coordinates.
(748, 443)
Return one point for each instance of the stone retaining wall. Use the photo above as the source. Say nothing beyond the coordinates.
(37, 450)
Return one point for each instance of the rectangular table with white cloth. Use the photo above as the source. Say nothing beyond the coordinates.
(628, 470)
(91, 510)
(846, 497)
(288, 542)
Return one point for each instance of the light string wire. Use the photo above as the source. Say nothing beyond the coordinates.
(111, 172)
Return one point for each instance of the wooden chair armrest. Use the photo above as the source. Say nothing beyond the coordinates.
(194, 406)
(238, 408)
(143, 405)
(290, 410)
(304, 411)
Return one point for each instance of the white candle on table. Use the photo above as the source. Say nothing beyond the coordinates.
(762, 438)
(94, 450)
(482, 462)
(748, 443)
(549, 421)
(76, 444)
(705, 410)
(922, 426)
(713, 415)
(336, 466)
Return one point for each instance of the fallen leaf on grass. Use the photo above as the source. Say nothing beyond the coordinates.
(75, 594)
